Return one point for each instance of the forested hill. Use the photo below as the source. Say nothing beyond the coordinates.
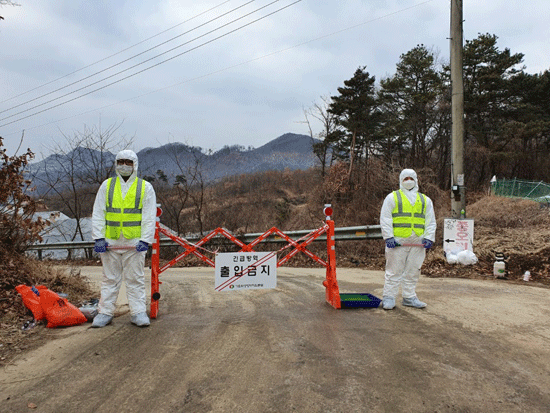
(289, 151)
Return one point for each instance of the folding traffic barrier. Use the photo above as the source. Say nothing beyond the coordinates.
(332, 292)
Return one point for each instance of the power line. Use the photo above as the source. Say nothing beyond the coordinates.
(114, 65)
(115, 54)
(136, 65)
(228, 67)
(157, 64)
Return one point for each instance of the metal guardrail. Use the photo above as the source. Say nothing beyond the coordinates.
(340, 234)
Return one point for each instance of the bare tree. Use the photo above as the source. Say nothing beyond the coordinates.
(173, 197)
(327, 136)
(7, 3)
(71, 176)
(198, 197)
(184, 189)
(98, 144)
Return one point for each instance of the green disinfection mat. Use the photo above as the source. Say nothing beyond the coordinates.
(359, 300)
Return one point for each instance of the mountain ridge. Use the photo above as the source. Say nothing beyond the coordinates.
(288, 151)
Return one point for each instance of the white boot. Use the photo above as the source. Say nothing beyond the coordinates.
(388, 303)
(101, 320)
(414, 302)
(140, 320)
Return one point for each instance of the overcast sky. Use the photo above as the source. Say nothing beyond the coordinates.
(245, 87)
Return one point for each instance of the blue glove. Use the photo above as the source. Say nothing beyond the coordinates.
(427, 243)
(142, 246)
(100, 245)
(391, 242)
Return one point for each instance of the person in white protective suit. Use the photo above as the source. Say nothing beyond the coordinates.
(406, 218)
(123, 227)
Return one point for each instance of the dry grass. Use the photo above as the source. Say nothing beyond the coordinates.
(15, 270)
(520, 229)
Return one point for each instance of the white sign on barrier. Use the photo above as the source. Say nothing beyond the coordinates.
(245, 270)
(458, 234)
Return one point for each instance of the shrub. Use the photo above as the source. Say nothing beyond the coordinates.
(17, 207)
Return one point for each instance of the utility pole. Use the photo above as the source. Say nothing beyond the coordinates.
(458, 190)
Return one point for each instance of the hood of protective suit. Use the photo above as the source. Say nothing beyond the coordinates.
(128, 154)
(411, 193)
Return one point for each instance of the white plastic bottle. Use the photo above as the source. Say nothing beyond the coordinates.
(499, 268)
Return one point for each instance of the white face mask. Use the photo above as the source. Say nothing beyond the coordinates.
(408, 184)
(125, 170)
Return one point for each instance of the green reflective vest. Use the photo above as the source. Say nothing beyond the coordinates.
(124, 215)
(406, 217)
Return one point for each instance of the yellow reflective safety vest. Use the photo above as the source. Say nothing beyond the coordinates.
(406, 217)
(124, 215)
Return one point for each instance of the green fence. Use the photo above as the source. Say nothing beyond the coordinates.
(537, 191)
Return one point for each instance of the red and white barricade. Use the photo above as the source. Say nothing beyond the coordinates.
(330, 283)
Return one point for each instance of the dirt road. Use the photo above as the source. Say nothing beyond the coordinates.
(480, 346)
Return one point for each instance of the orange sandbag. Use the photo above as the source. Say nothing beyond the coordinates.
(60, 312)
(32, 300)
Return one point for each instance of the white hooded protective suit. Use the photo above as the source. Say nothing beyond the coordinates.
(403, 263)
(124, 264)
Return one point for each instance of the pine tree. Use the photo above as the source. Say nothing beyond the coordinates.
(357, 112)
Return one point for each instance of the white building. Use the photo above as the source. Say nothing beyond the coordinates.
(63, 229)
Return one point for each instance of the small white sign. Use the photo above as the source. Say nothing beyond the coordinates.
(245, 271)
(458, 234)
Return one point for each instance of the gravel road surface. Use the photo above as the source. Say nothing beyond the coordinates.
(479, 346)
